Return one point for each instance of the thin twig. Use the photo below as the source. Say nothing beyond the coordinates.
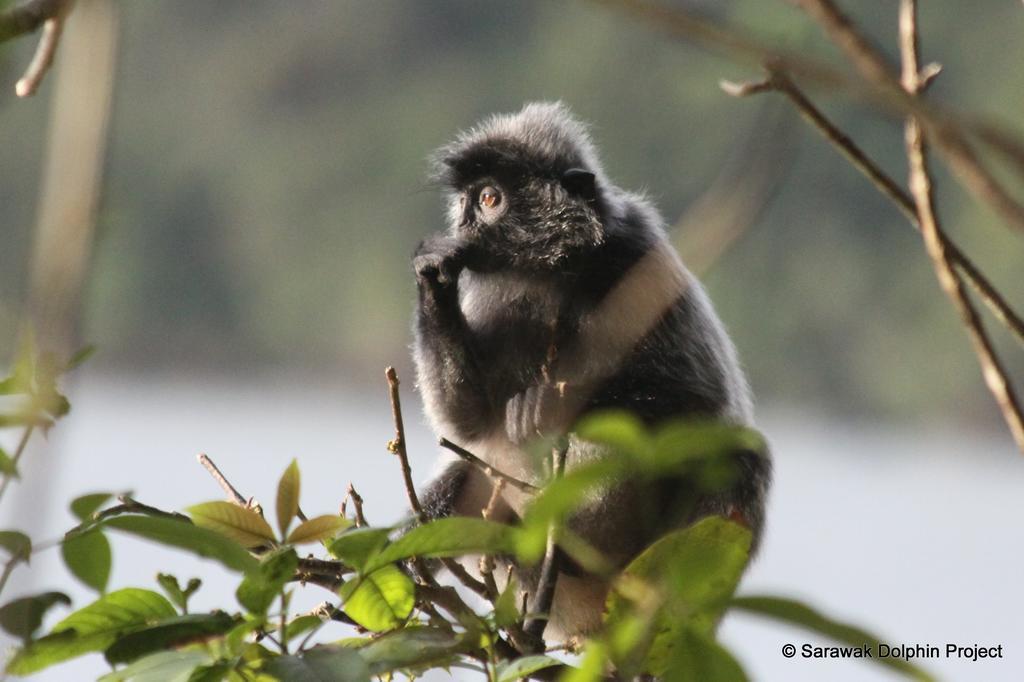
(485, 467)
(921, 188)
(462, 575)
(233, 495)
(323, 567)
(46, 50)
(487, 561)
(222, 481)
(544, 595)
(946, 134)
(397, 446)
(28, 17)
(357, 504)
(16, 457)
(131, 506)
(781, 82)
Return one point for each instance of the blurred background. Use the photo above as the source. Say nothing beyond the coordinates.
(261, 187)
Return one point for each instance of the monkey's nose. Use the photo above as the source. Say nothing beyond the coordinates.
(467, 216)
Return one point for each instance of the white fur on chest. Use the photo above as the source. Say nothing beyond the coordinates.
(484, 297)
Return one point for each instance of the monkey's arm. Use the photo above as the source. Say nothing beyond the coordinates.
(447, 362)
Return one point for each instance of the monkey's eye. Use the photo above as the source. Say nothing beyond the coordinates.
(489, 197)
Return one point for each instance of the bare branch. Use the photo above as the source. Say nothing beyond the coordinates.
(781, 82)
(46, 50)
(129, 505)
(29, 16)
(397, 446)
(540, 607)
(485, 467)
(357, 503)
(329, 574)
(222, 481)
(945, 133)
(921, 188)
(26, 18)
(487, 561)
(745, 89)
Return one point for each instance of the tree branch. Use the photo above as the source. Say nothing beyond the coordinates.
(26, 18)
(485, 467)
(780, 82)
(921, 188)
(543, 598)
(397, 446)
(944, 132)
(29, 16)
(222, 481)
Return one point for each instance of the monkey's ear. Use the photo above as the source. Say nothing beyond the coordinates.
(580, 182)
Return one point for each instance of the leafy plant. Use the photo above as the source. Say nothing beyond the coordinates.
(661, 613)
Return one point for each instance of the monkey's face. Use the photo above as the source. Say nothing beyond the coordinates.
(522, 219)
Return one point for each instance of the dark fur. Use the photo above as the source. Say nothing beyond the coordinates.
(496, 299)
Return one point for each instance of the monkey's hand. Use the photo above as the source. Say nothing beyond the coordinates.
(438, 261)
(541, 410)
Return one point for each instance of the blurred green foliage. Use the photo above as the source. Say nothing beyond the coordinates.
(661, 610)
(265, 184)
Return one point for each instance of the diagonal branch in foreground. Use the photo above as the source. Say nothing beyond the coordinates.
(935, 243)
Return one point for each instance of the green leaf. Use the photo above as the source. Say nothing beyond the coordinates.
(242, 525)
(699, 658)
(22, 617)
(356, 546)
(259, 588)
(87, 555)
(302, 625)
(416, 645)
(215, 672)
(706, 449)
(320, 664)
(193, 585)
(288, 497)
(170, 633)
(23, 372)
(318, 528)
(510, 671)
(620, 430)
(796, 613)
(506, 610)
(592, 665)
(17, 544)
(163, 666)
(85, 506)
(184, 535)
(558, 499)
(381, 600)
(80, 356)
(685, 579)
(92, 628)
(454, 536)
(172, 587)
(7, 465)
